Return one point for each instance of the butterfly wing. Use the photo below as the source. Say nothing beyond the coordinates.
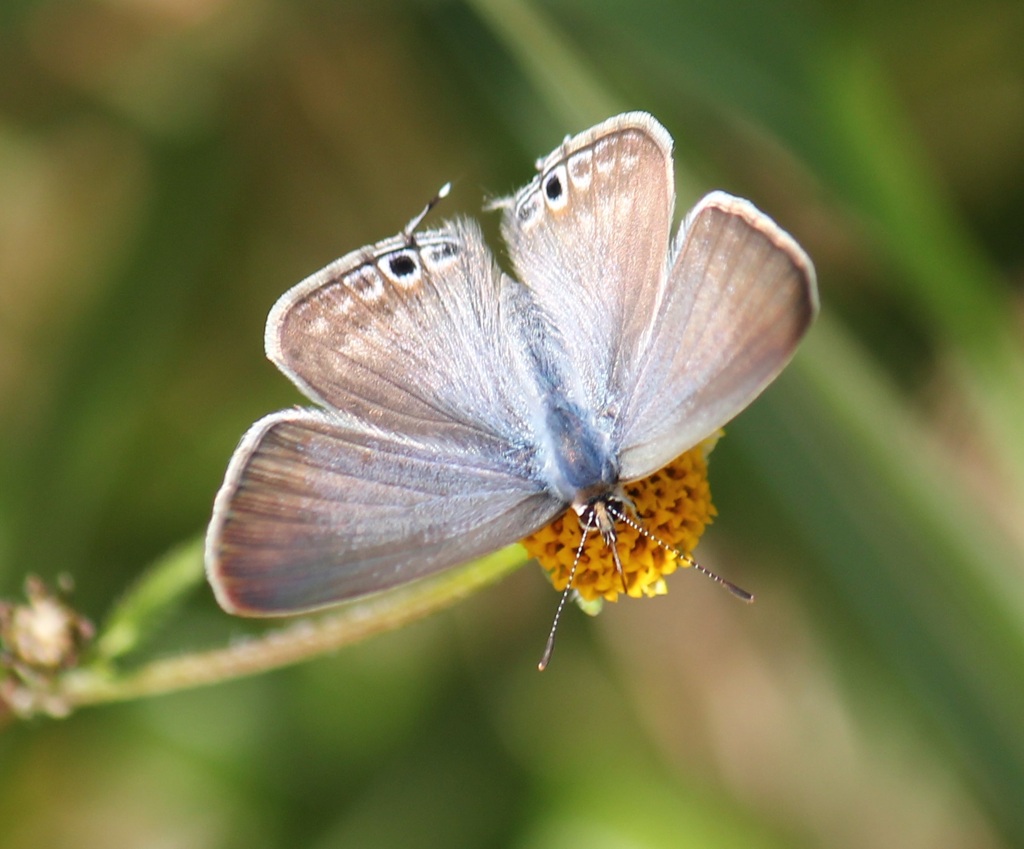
(739, 297)
(426, 454)
(316, 510)
(406, 333)
(668, 344)
(590, 237)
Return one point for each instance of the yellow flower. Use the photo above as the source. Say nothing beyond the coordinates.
(674, 505)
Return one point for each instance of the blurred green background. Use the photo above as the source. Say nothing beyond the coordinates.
(169, 167)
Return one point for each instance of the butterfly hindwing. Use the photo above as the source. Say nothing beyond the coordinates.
(740, 295)
(314, 511)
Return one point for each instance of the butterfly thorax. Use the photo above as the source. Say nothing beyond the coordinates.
(582, 465)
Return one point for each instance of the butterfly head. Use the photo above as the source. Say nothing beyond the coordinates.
(649, 524)
(646, 529)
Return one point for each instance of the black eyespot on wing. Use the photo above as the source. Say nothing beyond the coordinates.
(553, 187)
(402, 265)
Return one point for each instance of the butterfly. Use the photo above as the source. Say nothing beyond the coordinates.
(459, 410)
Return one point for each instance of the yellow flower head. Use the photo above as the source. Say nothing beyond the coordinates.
(673, 505)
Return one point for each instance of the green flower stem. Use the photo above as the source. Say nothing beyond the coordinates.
(147, 604)
(299, 641)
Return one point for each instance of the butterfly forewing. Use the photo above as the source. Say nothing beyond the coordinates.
(590, 237)
(740, 296)
(404, 334)
(315, 511)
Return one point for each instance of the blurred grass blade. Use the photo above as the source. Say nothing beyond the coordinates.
(909, 556)
(881, 170)
(562, 75)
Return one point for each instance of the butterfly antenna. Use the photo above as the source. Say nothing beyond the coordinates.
(618, 563)
(736, 590)
(442, 193)
(549, 647)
